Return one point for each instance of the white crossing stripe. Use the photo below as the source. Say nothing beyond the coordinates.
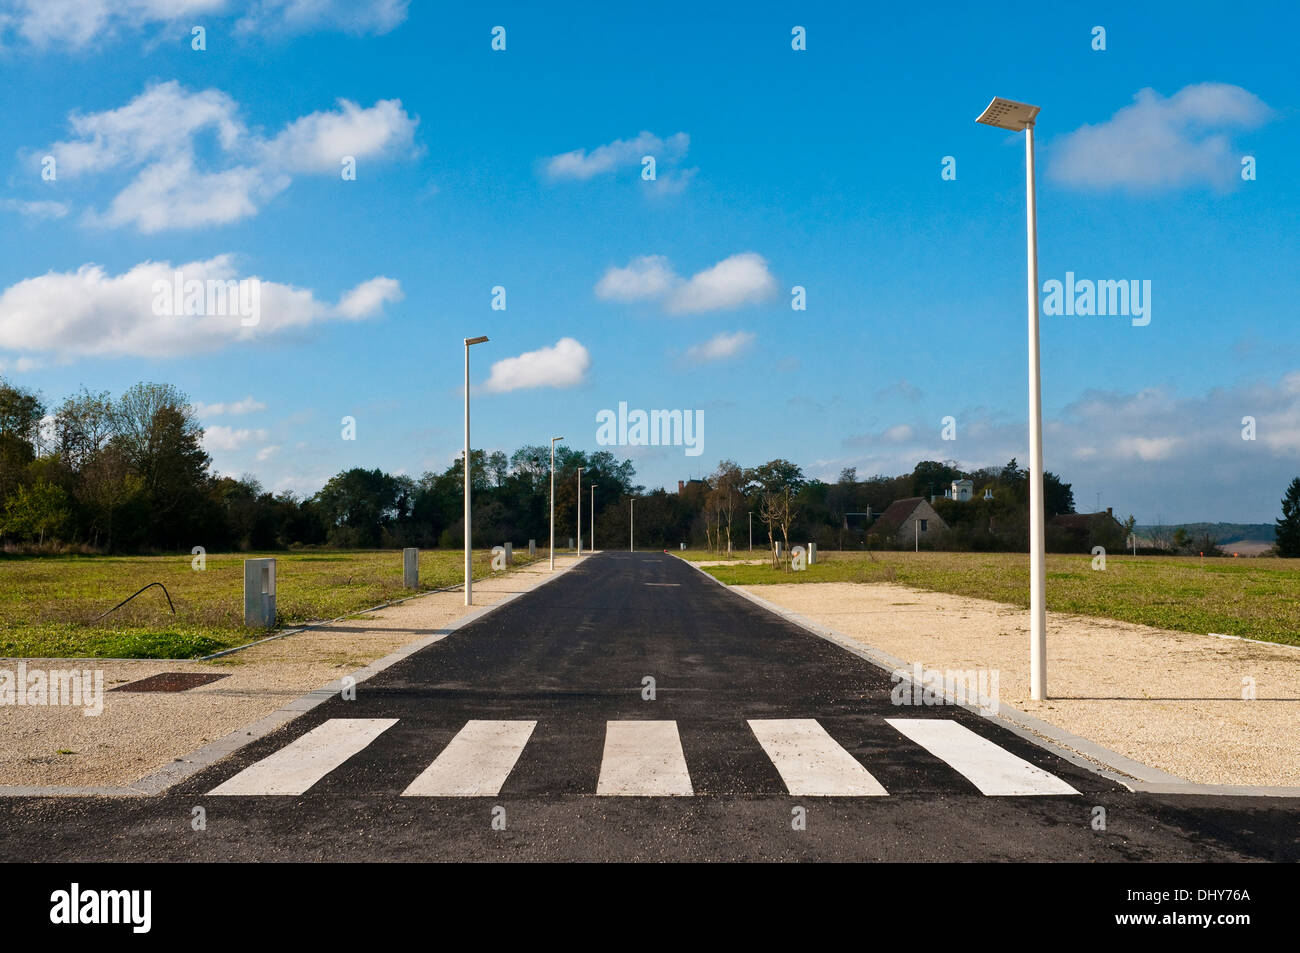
(643, 759)
(298, 765)
(476, 762)
(990, 767)
(811, 762)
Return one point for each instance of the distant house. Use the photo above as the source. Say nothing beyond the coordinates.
(963, 490)
(1081, 531)
(909, 520)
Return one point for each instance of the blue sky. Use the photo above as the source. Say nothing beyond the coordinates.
(775, 167)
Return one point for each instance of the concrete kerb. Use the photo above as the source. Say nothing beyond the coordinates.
(187, 766)
(1133, 775)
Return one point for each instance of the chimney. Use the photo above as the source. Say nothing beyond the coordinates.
(681, 485)
(1108, 512)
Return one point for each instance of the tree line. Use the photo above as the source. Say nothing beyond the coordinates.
(129, 474)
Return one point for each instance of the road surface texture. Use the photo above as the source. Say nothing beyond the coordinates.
(528, 735)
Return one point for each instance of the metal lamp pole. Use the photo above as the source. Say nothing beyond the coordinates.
(580, 469)
(553, 439)
(469, 592)
(593, 516)
(631, 525)
(1017, 117)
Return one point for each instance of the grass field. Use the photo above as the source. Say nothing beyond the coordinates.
(1256, 598)
(47, 602)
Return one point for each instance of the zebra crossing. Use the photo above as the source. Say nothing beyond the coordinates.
(644, 759)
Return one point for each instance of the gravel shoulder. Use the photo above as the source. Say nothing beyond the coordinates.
(1172, 700)
(140, 732)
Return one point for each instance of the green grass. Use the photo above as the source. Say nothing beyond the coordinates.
(47, 602)
(1257, 598)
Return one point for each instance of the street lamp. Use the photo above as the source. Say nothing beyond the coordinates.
(631, 524)
(553, 439)
(593, 516)
(751, 531)
(1014, 116)
(580, 469)
(469, 592)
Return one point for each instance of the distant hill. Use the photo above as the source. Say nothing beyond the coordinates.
(1222, 533)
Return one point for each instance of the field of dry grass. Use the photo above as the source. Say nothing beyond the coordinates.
(47, 603)
(1256, 598)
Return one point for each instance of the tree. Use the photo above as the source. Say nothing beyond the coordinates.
(775, 476)
(36, 510)
(20, 420)
(777, 511)
(1058, 496)
(1288, 526)
(727, 482)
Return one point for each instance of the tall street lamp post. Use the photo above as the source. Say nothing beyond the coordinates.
(580, 469)
(469, 592)
(1018, 117)
(553, 439)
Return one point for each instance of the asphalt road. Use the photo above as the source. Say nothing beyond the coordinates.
(571, 657)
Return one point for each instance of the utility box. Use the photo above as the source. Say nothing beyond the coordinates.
(812, 554)
(532, 549)
(411, 568)
(510, 554)
(259, 593)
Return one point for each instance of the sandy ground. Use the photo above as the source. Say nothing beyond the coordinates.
(137, 733)
(1172, 700)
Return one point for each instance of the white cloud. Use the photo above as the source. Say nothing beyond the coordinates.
(369, 297)
(647, 277)
(266, 453)
(581, 165)
(317, 142)
(89, 312)
(720, 347)
(735, 281)
(74, 24)
(220, 438)
(739, 280)
(155, 138)
(37, 209)
(563, 365)
(1162, 143)
(348, 16)
(246, 406)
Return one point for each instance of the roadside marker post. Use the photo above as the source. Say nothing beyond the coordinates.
(259, 593)
(411, 568)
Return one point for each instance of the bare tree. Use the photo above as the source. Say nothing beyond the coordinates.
(768, 506)
(727, 481)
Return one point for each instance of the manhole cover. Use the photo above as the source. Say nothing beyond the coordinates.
(169, 682)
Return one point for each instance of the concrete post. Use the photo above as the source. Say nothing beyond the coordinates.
(510, 554)
(812, 554)
(259, 593)
(532, 549)
(411, 568)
